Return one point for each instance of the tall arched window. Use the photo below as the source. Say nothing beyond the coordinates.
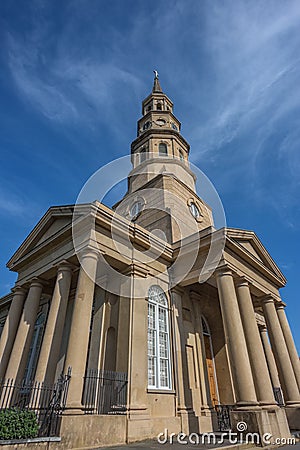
(159, 376)
(162, 148)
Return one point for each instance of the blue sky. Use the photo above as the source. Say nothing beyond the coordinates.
(72, 78)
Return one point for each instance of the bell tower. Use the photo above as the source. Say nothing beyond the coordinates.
(159, 140)
(161, 186)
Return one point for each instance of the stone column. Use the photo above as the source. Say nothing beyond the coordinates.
(76, 355)
(50, 348)
(289, 340)
(269, 357)
(10, 328)
(238, 353)
(18, 357)
(264, 389)
(282, 357)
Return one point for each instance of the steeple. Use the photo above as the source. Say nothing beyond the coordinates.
(156, 85)
(161, 185)
(158, 130)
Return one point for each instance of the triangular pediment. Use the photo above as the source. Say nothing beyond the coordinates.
(249, 243)
(54, 221)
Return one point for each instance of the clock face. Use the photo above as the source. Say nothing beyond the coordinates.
(161, 122)
(174, 126)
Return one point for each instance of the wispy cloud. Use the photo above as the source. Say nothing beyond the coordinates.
(12, 204)
(256, 65)
(65, 88)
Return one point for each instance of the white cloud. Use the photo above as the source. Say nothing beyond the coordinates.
(10, 204)
(256, 65)
(66, 89)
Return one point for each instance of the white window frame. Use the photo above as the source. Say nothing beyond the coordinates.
(156, 307)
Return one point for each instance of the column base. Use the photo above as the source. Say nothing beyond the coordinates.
(293, 417)
(246, 406)
(74, 408)
(189, 421)
(292, 404)
(260, 423)
(268, 405)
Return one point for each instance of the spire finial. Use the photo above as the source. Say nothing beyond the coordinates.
(156, 86)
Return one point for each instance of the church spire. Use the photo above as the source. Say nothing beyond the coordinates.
(156, 85)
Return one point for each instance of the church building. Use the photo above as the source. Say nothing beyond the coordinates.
(154, 318)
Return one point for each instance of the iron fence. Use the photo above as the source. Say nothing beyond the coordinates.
(105, 392)
(223, 417)
(46, 401)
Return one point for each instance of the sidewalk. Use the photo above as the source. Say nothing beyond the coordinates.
(154, 445)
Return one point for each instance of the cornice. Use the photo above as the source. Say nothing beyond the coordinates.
(161, 132)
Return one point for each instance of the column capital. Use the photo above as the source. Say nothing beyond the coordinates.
(65, 266)
(223, 271)
(89, 252)
(17, 289)
(138, 270)
(242, 281)
(280, 305)
(268, 298)
(37, 282)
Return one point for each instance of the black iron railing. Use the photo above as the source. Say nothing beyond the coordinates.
(46, 401)
(105, 392)
(223, 417)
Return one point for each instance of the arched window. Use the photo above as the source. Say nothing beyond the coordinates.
(163, 150)
(158, 106)
(159, 376)
(35, 348)
(181, 157)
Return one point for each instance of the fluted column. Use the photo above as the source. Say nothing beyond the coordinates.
(18, 357)
(238, 353)
(50, 348)
(282, 357)
(76, 355)
(269, 356)
(10, 328)
(289, 340)
(260, 372)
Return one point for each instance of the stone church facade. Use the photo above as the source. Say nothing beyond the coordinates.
(185, 346)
